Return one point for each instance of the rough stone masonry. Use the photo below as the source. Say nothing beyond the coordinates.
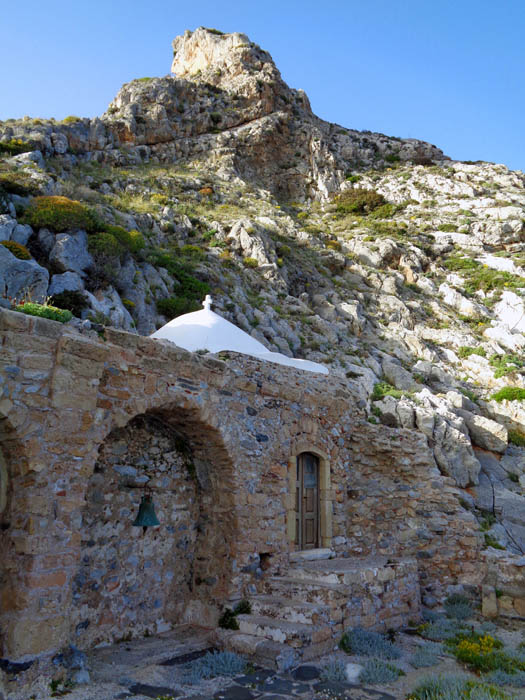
(86, 422)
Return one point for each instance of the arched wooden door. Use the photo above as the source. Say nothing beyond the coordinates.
(307, 501)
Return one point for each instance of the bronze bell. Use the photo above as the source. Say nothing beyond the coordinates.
(146, 516)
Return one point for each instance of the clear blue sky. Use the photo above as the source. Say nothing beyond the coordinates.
(449, 72)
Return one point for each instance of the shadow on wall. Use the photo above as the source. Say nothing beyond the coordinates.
(132, 583)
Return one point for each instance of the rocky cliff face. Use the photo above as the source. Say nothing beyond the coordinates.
(399, 268)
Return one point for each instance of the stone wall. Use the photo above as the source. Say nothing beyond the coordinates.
(126, 576)
(63, 393)
(503, 592)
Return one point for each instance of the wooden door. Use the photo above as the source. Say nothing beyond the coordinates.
(307, 501)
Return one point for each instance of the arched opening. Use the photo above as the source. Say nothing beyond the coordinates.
(309, 508)
(130, 583)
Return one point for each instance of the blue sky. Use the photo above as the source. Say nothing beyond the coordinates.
(451, 73)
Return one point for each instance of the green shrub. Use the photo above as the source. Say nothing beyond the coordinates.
(214, 664)
(44, 311)
(441, 630)
(517, 438)
(17, 249)
(456, 688)
(243, 607)
(491, 541)
(505, 364)
(447, 228)
(509, 393)
(72, 119)
(176, 306)
(73, 301)
(105, 244)
(386, 211)
(378, 672)
(483, 653)
(193, 252)
(382, 389)
(189, 286)
(353, 178)
(228, 620)
(132, 240)
(250, 262)
(358, 201)
(466, 351)
(14, 147)
(60, 214)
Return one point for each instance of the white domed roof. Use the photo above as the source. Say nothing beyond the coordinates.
(206, 330)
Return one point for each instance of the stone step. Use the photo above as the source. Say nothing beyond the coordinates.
(309, 590)
(312, 555)
(290, 609)
(345, 572)
(294, 634)
(259, 650)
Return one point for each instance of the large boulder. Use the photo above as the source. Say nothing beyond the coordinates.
(399, 377)
(7, 226)
(22, 278)
(108, 304)
(484, 432)
(454, 454)
(70, 252)
(65, 282)
(461, 304)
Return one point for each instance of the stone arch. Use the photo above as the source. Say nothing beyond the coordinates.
(325, 492)
(128, 584)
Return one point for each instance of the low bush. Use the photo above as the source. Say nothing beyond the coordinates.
(499, 677)
(426, 655)
(44, 311)
(358, 201)
(228, 620)
(250, 262)
(73, 301)
(60, 214)
(376, 671)
(17, 249)
(189, 286)
(334, 671)
(213, 664)
(192, 251)
(456, 688)
(447, 228)
(368, 643)
(14, 147)
(483, 653)
(440, 630)
(105, 244)
(458, 607)
(131, 240)
(509, 393)
(176, 306)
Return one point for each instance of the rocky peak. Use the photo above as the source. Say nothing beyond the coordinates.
(228, 61)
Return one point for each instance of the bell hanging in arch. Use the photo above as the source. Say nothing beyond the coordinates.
(146, 517)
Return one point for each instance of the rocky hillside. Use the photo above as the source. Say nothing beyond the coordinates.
(402, 270)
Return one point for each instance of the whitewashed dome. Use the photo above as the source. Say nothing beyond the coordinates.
(206, 330)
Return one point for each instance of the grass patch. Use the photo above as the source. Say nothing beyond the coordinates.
(516, 438)
(14, 147)
(466, 351)
(382, 389)
(505, 364)
(509, 393)
(44, 311)
(17, 249)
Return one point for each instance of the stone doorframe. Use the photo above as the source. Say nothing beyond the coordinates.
(325, 495)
